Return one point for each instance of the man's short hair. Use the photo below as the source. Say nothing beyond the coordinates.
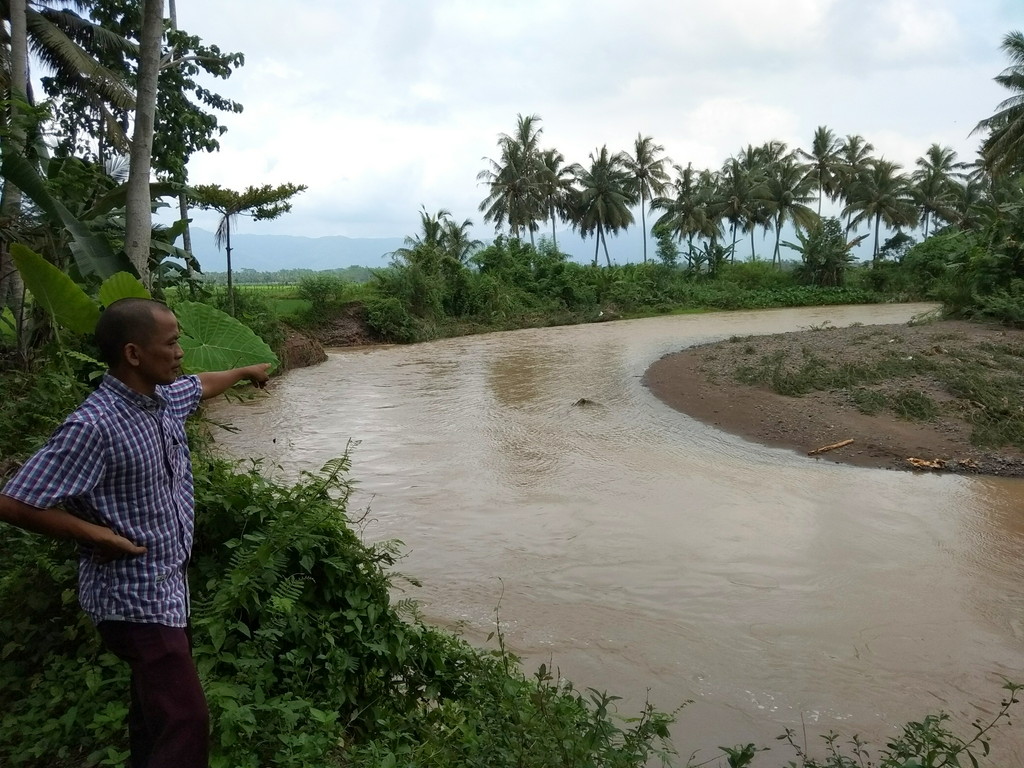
(126, 321)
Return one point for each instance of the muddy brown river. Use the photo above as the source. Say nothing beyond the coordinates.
(637, 550)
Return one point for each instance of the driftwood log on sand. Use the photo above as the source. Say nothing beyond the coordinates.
(826, 448)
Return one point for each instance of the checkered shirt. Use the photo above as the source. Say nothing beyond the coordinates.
(122, 460)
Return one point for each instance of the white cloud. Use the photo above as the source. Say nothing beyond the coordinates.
(912, 30)
(773, 25)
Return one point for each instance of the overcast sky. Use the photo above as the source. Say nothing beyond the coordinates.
(380, 107)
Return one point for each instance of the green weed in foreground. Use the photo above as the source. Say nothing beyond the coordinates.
(926, 743)
(868, 401)
(913, 405)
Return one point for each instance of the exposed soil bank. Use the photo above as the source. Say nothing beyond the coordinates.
(701, 382)
(346, 328)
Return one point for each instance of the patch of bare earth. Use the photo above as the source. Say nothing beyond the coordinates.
(347, 328)
(300, 351)
(702, 382)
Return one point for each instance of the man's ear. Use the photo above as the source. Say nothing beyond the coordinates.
(130, 355)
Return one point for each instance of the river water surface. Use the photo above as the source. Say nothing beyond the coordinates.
(638, 550)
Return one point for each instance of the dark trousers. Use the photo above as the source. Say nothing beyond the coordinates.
(168, 723)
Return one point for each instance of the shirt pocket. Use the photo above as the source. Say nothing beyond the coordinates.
(177, 449)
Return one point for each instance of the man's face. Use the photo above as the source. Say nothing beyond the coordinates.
(158, 360)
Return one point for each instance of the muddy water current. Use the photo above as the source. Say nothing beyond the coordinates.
(641, 552)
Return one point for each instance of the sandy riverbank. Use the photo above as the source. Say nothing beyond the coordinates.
(701, 382)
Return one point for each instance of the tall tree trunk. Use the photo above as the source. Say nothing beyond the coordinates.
(752, 257)
(138, 205)
(878, 224)
(186, 235)
(554, 236)
(597, 244)
(643, 225)
(776, 256)
(604, 242)
(12, 289)
(227, 250)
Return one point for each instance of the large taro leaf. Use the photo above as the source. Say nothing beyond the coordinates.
(123, 285)
(215, 341)
(55, 292)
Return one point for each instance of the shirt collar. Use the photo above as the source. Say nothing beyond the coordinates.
(122, 390)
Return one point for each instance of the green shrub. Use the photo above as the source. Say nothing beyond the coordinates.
(756, 275)
(321, 290)
(255, 310)
(389, 318)
(913, 405)
(868, 401)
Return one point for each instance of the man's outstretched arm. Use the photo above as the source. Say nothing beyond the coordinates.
(217, 382)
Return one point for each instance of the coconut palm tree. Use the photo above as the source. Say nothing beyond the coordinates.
(968, 198)
(602, 199)
(736, 185)
(554, 185)
(510, 190)
(456, 240)
(513, 179)
(431, 231)
(824, 160)
(440, 237)
(882, 194)
(646, 166)
(856, 158)
(689, 207)
(70, 49)
(934, 184)
(787, 191)
(741, 187)
(1003, 146)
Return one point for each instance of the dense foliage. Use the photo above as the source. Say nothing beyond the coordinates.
(425, 292)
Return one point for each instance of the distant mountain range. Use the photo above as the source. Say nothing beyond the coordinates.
(269, 253)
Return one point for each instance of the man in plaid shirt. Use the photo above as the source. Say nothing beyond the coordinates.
(117, 477)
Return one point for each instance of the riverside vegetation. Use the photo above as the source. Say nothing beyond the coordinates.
(306, 657)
